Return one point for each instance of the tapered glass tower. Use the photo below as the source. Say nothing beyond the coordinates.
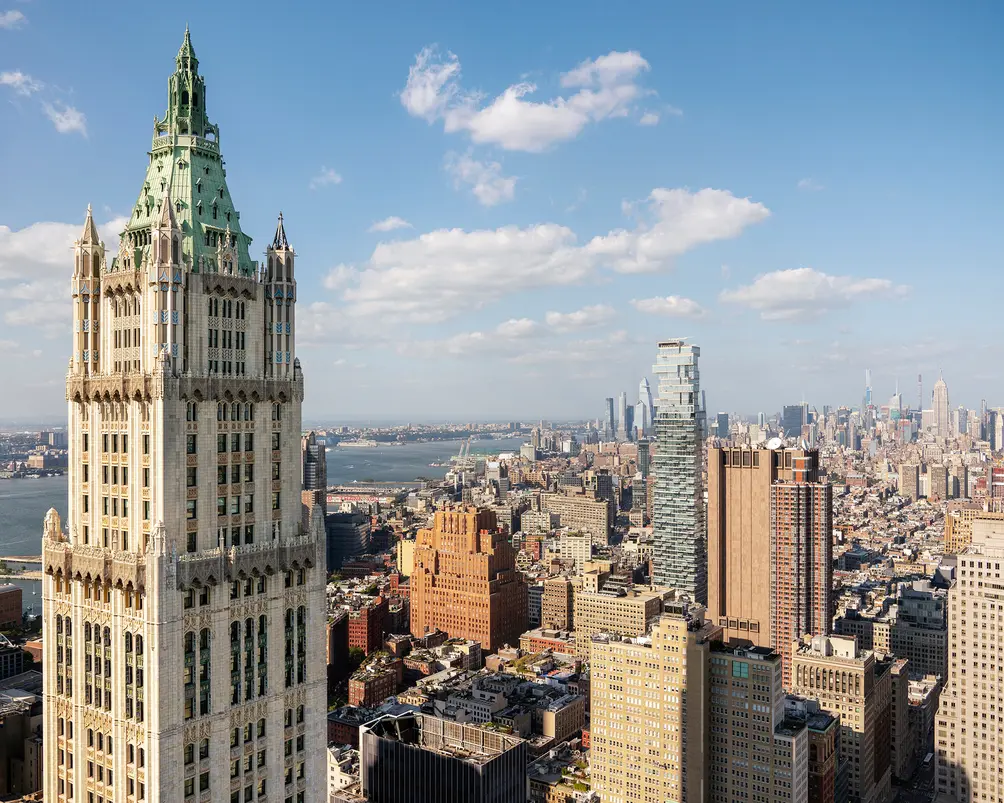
(680, 553)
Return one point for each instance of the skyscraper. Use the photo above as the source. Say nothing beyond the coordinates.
(643, 411)
(868, 388)
(622, 431)
(189, 612)
(793, 418)
(769, 546)
(969, 748)
(942, 427)
(801, 556)
(465, 580)
(680, 549)
(857, 684)
(609, 425)
(722, 426)
(315, 471)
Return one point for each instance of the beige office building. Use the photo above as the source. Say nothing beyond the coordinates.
(556, 605)
(857, 686)
(959, 526)
(968, 738)
(581, 511)
(678, 716)
(909, 481)
(649, 729)
(629, 615)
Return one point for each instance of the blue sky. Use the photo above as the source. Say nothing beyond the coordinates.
(805, 192)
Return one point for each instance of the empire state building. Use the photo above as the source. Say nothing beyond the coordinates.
(181, 594)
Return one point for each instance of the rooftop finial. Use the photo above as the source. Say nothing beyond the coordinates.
(187, 52)
(280, 241)
(90, 230)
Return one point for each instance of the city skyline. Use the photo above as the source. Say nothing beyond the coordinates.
(447, 257)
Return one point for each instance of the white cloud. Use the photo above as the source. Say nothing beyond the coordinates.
(340, 276)
(46, 248)
(508, 338)
(36, 264)
(390, 224)
(439, 274)
(804, 292)
(585, 318)
(809, 185)
(607, 87)
(67, 119)
(21, 83)
(590, 351)
(432, 84)
(11, 19)
(487, 183)
(517, 328)
(681, 220)
(649, 118)
(325, 178)
(443, 273)
(675, 306)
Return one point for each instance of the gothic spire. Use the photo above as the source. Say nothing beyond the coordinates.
(167, 219)
(280, 241)
(90, 230)
(186, 55)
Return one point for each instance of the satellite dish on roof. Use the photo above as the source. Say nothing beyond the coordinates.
(775, 443)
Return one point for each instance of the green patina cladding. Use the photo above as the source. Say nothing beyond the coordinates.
(185, 159)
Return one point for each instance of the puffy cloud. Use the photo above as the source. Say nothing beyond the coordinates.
(340, 276)
(487, 183)
(446, 272)
(674, 306)
(11, 19)
(325, 178)
(390, 224)
(649, 118)
(607, 87)
(20, 82)
(66, 119)
(506, 339)
(432, 84)
(45, 248)
(680, 220)
(36, 264)
(804, 292)
(585, 318)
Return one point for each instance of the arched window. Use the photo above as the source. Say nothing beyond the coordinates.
(107, 637)
(184, 97)
(128, 642)
(174, 251)
(139, 645)
(289, 269)
(189, 642)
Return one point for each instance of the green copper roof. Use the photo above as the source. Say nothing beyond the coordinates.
(185, 161)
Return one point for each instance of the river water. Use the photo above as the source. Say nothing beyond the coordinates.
(24, 502)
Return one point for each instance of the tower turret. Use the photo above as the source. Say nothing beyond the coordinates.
(88, 262)
(166, 280)
(280, 295)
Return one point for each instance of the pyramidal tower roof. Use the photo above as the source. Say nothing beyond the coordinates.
(90, 234)
(186, 166)
(280, 241)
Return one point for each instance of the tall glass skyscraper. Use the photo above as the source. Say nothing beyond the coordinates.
(678, 509)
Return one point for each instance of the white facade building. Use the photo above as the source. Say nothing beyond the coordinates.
(184, 600)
